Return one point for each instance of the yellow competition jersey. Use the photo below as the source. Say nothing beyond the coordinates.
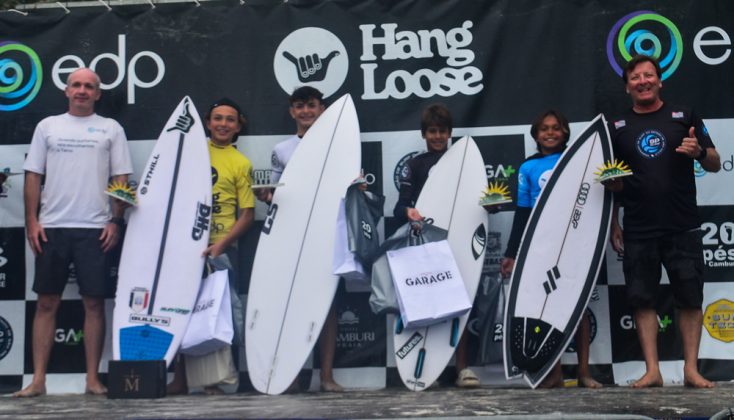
(231, 185)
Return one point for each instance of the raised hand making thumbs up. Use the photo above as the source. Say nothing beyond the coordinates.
(690, 147)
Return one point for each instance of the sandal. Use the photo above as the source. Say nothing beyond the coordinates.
(467, 379)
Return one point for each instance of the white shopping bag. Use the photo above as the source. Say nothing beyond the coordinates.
(345, 264)
(210, 327)
(428, 284)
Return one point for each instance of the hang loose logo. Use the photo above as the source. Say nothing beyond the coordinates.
(311, 56)
(311, 68)
(185, 121)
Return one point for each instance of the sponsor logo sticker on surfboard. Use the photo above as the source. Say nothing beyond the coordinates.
(201, 223)
(139, 298)
(150, 319)
(409, 345)
(478, 242)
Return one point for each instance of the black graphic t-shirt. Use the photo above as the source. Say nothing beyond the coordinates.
(412, 179)
(660, 198)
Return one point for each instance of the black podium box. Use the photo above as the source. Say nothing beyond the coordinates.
(136, 379)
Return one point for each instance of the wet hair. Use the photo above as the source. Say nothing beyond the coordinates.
(230, 103)
(438, 115)
(304, 93)
(639, 59)
(535, 127)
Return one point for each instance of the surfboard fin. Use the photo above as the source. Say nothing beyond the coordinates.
(454, 339)
(419, 363)
(399, 325)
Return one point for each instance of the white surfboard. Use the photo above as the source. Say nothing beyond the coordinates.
(449, 198)
(560, 255)
(161, 263)
(292, 285)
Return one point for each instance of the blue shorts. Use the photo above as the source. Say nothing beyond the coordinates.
(682, 256)
(81, 247)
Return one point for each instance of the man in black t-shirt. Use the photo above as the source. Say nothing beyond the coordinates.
(660, 142)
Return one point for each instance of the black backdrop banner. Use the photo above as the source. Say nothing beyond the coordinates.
(492, 62)
(495, 64)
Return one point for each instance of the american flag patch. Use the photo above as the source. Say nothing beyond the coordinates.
(677, 114)
(619, 124)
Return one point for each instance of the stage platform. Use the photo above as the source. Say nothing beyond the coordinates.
(671, 402)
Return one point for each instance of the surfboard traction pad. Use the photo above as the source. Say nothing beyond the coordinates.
(534, 343)
(144, 342)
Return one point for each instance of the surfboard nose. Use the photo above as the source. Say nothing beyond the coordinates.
(534, 343)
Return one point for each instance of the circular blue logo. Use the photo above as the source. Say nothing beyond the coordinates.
(648, 33)
(698, 170)
(21, 75)
(650, 144)
(401, 169)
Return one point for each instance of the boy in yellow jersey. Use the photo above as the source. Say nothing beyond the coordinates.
(233, 213)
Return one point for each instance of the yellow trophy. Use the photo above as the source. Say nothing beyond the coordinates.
(496, 194)
(121, 191)
(612, 170)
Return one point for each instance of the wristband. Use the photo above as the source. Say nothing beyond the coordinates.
(119, 221)
(703, 154)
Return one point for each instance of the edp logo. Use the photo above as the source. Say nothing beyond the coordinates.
(69, 63)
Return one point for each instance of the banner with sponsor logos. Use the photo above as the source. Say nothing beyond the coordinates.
(496, 65)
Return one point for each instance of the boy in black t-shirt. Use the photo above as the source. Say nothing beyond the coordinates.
(436, 126)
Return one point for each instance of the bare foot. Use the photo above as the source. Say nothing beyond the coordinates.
(31, 391)
(649, 380)
(588, 382)
(95, 388)
(331, 386)
(213, 390)
(553, 380)
(695, 380)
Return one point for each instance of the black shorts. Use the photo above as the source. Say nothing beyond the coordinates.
(81, 247)
(682, 256)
